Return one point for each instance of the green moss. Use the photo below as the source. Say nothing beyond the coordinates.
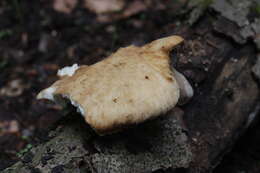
(27, 148)
(256, 9)
(5, 33)
(203, 3)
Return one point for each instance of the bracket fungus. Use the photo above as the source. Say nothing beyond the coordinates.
(132, 85)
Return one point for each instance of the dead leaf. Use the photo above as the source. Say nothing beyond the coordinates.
(64, 6)
(132, 8)
(24, 38)
(50, 67)
(13, 88)
(104, 6)
(7, 127)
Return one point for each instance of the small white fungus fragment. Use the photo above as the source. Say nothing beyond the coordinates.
(79, 108)
(47, 94)
(252, 116)
(186, 91)
(69, 71)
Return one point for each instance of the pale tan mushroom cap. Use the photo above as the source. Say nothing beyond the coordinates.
(130, 86)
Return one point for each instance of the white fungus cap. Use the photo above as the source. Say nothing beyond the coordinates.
(132, 85)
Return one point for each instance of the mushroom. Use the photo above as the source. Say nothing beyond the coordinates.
(132, 85)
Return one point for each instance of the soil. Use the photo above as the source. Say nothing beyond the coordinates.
(35, 41)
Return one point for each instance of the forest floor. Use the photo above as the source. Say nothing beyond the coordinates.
(36, 41)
